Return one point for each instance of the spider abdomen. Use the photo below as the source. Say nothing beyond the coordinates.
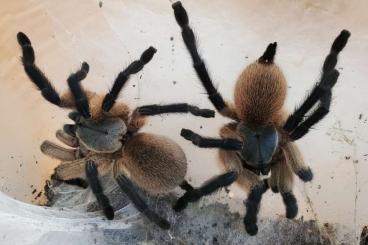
(260, 94)
(155, 163)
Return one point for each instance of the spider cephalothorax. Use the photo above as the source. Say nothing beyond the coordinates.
(261, 138)
(105, 134)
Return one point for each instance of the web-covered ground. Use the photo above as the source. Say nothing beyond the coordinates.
(109, 35)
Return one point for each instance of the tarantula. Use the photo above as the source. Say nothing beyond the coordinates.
(106, 133)
(261, 140)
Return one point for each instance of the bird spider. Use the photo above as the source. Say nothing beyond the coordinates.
(260, 141)
(105, 133)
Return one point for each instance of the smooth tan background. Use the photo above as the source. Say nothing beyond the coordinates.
(231, 34)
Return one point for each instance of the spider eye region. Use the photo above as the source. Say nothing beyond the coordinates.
(259, 145)
(103, 136)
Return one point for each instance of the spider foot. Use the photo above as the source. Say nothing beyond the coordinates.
(250, 227)
(189, 196)
(305, 174)
(207, 113)
(91, 168)
(290, 204)
(275, 189)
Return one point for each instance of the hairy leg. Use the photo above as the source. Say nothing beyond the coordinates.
(249, 182)
(151, 110)
(214, 96)
(55, 151)
(80, 97)
(207, 188)
(252, 205)
(226, 144)
(137, 121)
(131, 191)
(273, 181)
(120, 110)
(34, 73)
(76, 169)
(94, 183)
(320, 93)
(186, 186)
(295, 160)
(285, 186)
(67, 139)
(123, 77)
(77, 182)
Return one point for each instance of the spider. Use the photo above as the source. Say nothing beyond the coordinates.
(105, 133)
(260, 140)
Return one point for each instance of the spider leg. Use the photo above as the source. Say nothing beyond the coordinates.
(247, 179)
(295, 160)
(314, 118)
(55, 151)
(151, 110)
(74, 115)
(67, 139)
(70, 129)
(285, 186)
(214, 96)
(290, 203)
(186, 186)
(94, 183)
(193, 195)
(123, 77)
(282, 180)
(34, 73)
(131, 191)
(81, 101)
(76, 169)
(77, 182)
(274, 179)
(322, 89)
(196, 139)
(70, 170)
(252, 205)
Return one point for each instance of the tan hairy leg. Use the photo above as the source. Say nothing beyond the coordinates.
(282, 173)
(66, 138)
(76, 169)
(295, 160)
(55, 151)
(249, 182)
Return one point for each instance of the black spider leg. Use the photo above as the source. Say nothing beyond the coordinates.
(314, 118)
(181, 17)
(75, 116)
(252, 205)
(290, 203)
(77, 182)
(70, 129)
(226, 144)
(94, 183)
(206, 189)
(131, 191)
(186, 186)
(81, 101)
(327, 81)
(150, 110)
(123, 77)
(34, 73)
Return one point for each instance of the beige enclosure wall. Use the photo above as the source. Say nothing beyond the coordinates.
(231, 35)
